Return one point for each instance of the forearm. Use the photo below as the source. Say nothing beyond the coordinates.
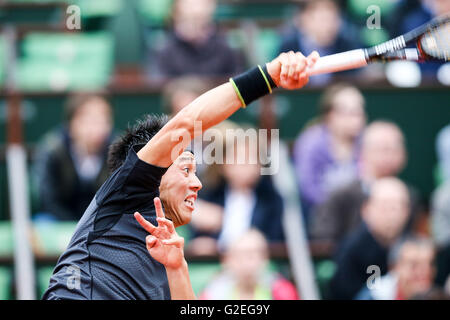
(210, 108)
(287, 71)
(180, 283)
(207, 110)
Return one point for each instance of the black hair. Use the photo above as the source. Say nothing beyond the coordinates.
(141, 133)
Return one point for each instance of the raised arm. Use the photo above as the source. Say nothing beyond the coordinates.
(286, 71)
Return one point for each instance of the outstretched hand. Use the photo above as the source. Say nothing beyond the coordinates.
(289, 70)
(163, 243)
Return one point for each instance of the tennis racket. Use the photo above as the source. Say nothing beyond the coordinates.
(429, 42)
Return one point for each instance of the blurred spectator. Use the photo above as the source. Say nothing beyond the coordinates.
(440, 208)
(326, 153)
(246, 275)
(384, 216)
(427, 10)
(411, 272)
(180, 92)
(440, 226)
(434, 293)
(195, 45)
(440, 215)
(382, 155)
(443, 153)
(242, 199)
(70, 164)
(318, 26)
(443, 268)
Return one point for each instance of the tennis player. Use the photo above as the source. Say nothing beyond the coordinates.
(106, 257)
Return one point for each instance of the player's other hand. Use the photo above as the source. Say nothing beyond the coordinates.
(163, 243)
(289, 70)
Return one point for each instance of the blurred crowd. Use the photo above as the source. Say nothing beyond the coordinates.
(346, 168)
(195, 43)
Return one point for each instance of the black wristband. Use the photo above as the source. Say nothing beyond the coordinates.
(253, 84)
(269, 78)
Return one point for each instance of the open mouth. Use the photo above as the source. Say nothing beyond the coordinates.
(190, 201)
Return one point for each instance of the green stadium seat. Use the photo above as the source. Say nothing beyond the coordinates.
(201, 273)
(52, 238)
(88, 8)
(267, 44)
(184, 232)
(35, 76)
(98, 8)
(65, 61)
(438, 175)
(324, 270)
(66, 48)
(259, 11)
(5, 283)
(358, 8)
(155, 12)
(374, 37)
(43, 279)
(6, 239)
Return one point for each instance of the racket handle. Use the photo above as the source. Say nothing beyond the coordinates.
(339, 62)
(410, 54)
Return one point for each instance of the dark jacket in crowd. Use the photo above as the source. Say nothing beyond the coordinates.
(294, 40)
(60, 191)
(443, 265)
(266, 215)
(213, 58)
(340, 214)
(359, 251)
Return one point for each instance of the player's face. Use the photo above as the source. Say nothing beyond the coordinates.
(178, 189)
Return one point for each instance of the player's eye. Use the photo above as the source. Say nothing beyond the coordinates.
(186, 170)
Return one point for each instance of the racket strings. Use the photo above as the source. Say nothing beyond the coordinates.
(436, 43)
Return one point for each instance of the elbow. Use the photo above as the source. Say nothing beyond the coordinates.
(185, 123)
(181, 130)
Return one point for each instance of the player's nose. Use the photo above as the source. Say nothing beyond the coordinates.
(195, 183)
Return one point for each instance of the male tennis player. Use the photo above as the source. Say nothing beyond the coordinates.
(106, 257)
